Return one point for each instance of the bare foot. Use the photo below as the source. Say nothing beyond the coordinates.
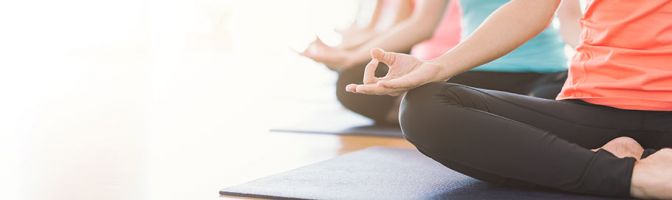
(624, 147)
(652, 176)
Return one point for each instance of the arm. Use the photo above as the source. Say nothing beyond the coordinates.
(569, 14)
(376, 15)
(356, 36)
(359, 25)
(505, 30)
(420, 26)
(407, 31)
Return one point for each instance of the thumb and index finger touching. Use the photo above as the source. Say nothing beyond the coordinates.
(370, 79)
(377, 56)
(389, 59)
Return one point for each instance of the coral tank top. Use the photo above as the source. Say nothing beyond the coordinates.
(625, 56)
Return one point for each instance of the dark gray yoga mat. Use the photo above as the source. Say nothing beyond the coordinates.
(382, 173)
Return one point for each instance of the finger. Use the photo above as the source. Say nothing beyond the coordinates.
(386, 57)
(309, 48)
(372, 89)
(410, 80)
(296, 51)
(351, 88)
(370, 72)
(309, 53)
(375, 89)
(319, 41)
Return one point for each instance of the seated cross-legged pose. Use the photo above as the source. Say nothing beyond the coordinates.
(608, 133)
(537, 68)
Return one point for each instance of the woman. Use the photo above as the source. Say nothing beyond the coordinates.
(619, 92)
(537, 68)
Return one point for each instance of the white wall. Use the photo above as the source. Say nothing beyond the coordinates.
(89, 89)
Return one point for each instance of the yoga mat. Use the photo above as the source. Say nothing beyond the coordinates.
(336, 121)
(382, 173)
(368, 130)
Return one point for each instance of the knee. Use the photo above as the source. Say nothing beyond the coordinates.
(427, 98)
(432, 93)
(424, 109)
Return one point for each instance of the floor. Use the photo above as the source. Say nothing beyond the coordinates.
(189, 136)
(158, 100)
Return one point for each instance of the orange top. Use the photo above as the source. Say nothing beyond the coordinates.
(625, 56)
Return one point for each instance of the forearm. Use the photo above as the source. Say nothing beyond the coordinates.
(569, 14)
(505, 30)
(401, 38)
(419, 27)
(375, 16)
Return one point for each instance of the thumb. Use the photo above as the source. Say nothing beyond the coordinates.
(385, 57)
(319, 41)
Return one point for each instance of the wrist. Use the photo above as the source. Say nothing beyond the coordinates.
(444, 71)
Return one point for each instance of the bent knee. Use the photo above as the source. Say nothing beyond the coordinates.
(427, 98)
(434, 93)
(422, 109)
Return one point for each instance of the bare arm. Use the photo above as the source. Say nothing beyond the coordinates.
(375, 16)
(379, 24)
(420, 26)
(358, 32)
(506, 29)
(569, 14)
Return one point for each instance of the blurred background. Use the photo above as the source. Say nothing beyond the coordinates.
(150, 99)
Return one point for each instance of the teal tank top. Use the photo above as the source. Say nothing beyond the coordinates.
(542, 54)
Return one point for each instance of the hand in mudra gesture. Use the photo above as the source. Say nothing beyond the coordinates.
(405, 73)
(334, 58)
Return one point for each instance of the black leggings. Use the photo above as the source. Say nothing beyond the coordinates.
(377, 107)
(518, 140)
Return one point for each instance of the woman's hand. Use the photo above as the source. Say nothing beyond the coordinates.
(334, 58)
(405, 73)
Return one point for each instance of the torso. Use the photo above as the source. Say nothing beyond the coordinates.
(625, 56)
